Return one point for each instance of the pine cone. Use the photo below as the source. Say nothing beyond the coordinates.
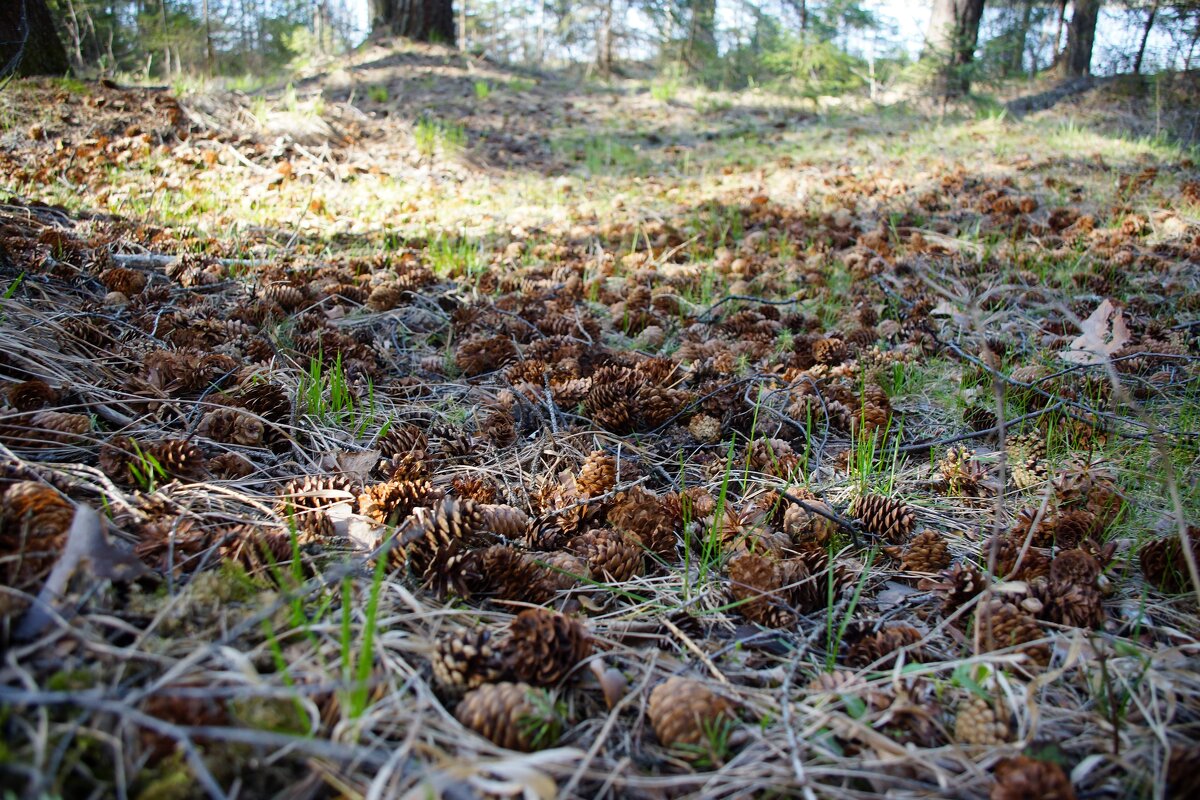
(1071, 528)
(610, 556)
(962, 474)
(498, 428)
(597, 475)
(1163, 564)
(400, 439)
(288, 297)
(756, 584)
(883, 646)
(391, 502)
(543, 647)
(806, 527)
(260, 550)
(128, 282)
(179, 458)
(927, 552)
(1075, 566)
(641, 514)
(705, 428)
(1074, 604)
(506, 574)
(227, 466)
(231, 426)
(684, 713)
(514, 716)
(476, 487)
(435, 543)
(481, 354)
(56, 427)
(829, 351)
(840, 681)
(884, 516)
(957, 586)
(561, 571)
(1026, 460)
(977, 723)
(314, 493)
(613, 406)
(507, 521)
(266, 400)
(1183, 773)
(1022, 778)
(464, 659)
(1003, 625)
(1034, 564)
(35, 522)
(412, 466)
(32, 395)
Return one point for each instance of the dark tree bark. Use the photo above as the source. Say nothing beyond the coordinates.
(1081, 35)
(702, 36)
(1137, 62)
(423, 20)
(951, 39)
(29, 45)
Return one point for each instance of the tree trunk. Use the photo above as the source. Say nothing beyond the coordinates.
(1017, 65)
(1137, 62)
(29, 45)
(422, 20)
(1081, 35)
(951, 39)
(702, 36)
(1058, 31)
(208, 46)
(604, 49)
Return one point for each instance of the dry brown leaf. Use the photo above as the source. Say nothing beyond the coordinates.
(1104, 333)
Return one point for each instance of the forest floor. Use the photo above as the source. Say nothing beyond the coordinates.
(426, 428)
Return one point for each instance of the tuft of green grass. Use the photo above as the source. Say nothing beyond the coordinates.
(483, 90)
(431, 135)
(378, 94)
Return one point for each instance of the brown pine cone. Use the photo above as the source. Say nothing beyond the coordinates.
(1003, 625)
(561, 571)
(1022, 778)
(705, 428)
(543, 647)
(314, 492)
(35, 519)
(756, 585)
(506, 574)
(1163, 564)
(597, 475)
(55, 427)
(464, 659)
(32, 395)
(260, 551)
(498, 428)
(475, 487)
(1072, 527)
(772, 456)
(927, 552)
(514, 716)
(806, 527)
(315, 527)
(481, 354)
(179, 459)
(884, 516)
(610, 555)
(267, 400)
(1034, 564)
(1027, 460)
(401, 438)
(1074, 604)
(1075, 566)
(435, 543)
(957, 586)
(685, 714)
(507, 521)
(128, 282)
(840, 681)
(641, 514)
(883, 646)
(977, 723)
(228, 466)
(1183, 773)
(962, 474)
(391, 502)
(412, 466)
(288, 297)
(613, 406)
(830, 351)
(231, 426)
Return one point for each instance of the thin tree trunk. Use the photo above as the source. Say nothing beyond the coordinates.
(29, 45)
(208, 45)
(1017, 65)
(1137, 62)
(423, 20)
(1058, 31)
(951, 40)
(604, 40)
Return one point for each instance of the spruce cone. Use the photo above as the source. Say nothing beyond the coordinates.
(641, 514)
(435, 543)
(1163, 563)
(598, 475)
(32, 395)
(883, 646)
(481, 354)
(957, 586)
(514, 716)
(543, 647)
(400, 439)
(1003, 625)
(977, 723)
(1071, 528)
(1022, 778)
(179, 458)
(610, 555)
(464, 659)
(390, 502)
(684, 713)
(927, 552)
(829, 351)
(507, 574)
(229, 466)
(55, 427)
(884, 516)
(507, 521)
(33, 529)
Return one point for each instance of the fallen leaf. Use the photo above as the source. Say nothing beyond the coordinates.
(1104, 333)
